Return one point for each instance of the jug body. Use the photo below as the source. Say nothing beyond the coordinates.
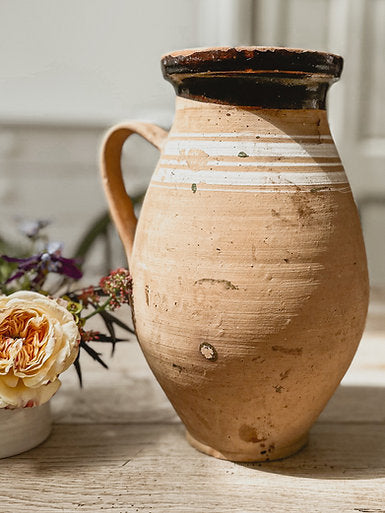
(250, 283)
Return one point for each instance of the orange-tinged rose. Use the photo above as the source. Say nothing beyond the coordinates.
(39, 339)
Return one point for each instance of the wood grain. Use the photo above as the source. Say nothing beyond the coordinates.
(117, 446)
(150, 467)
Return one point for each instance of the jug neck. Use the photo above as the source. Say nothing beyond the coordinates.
(268, 78)
(194, 117)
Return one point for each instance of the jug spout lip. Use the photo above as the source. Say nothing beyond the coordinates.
(258, 76)
(252, 59)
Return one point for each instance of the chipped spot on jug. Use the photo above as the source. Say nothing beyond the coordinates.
(305, 211)
(250, 434)
(194, 187)
(179, 367)
(226, 283)
(208, 351)
(194, 158)
(278, 388)
(147, 294)
(285, 374)
(319, 189)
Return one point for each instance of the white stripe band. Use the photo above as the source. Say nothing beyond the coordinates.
(240, 135)
(279, 163)
(248, 178)
(285, 190)
(250, 148)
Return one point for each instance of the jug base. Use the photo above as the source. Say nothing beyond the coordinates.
(276, 454)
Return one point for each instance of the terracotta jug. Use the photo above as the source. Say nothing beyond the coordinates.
(250, 284)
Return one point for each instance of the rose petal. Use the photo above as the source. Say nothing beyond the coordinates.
(19, 396)
(47, 344)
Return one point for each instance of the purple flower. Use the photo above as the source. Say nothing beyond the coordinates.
(48, 261)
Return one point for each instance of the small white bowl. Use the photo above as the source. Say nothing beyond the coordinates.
(23, 428)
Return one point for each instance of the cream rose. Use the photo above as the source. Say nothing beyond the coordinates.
(39, 339)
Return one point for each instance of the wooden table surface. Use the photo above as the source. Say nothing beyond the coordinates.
(118, 446)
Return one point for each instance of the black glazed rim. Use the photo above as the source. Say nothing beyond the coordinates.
(252, 60)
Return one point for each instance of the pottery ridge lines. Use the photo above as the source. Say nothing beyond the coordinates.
(341, 188)
(182, 163)
(249, 178)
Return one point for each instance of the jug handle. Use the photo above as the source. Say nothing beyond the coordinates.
(121, 207)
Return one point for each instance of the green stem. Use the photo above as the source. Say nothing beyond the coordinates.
(100, 308)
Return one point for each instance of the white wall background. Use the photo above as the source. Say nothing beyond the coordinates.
(71, 68)
(88, 60)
